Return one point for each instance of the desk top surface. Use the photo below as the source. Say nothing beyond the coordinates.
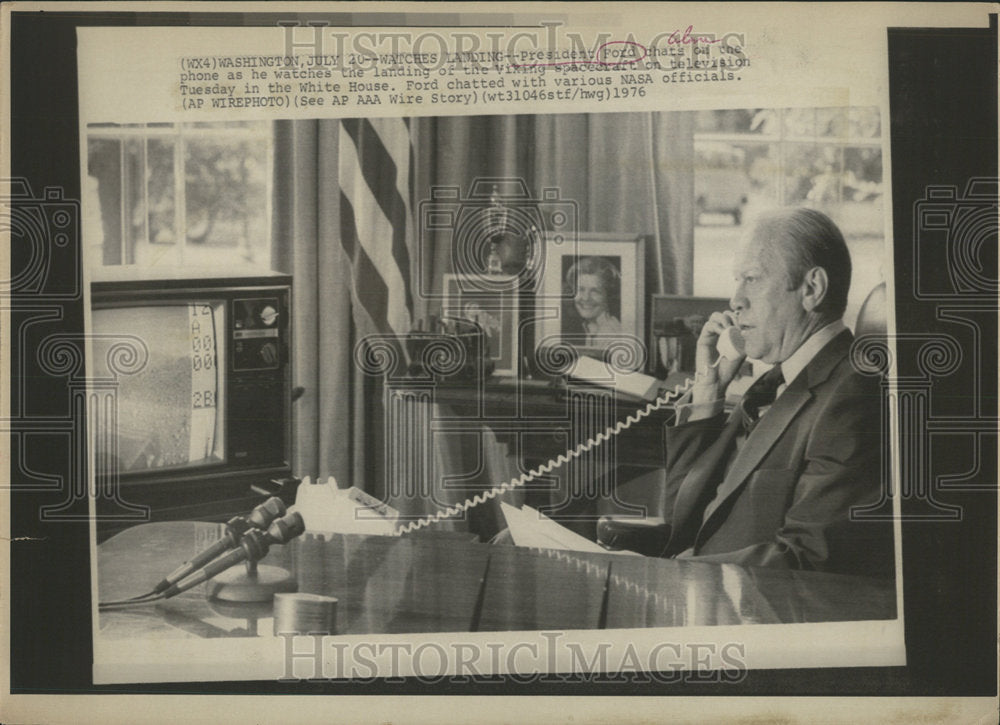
(441, 582)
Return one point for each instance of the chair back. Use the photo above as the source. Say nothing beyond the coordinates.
(872, 316)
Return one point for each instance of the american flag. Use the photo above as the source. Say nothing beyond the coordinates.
(375, 158)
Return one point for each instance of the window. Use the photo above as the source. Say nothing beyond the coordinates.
(188, 194)
(747, 160)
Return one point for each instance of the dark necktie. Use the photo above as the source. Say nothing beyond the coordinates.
(759, 395)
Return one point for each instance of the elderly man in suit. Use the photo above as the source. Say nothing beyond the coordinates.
(775, 482)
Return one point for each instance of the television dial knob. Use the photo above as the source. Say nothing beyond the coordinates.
(269, 353)
(268, 315)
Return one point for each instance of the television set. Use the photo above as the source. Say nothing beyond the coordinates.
(200, 421)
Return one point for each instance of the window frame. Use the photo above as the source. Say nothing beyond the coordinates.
(180, 133)
(782, 141)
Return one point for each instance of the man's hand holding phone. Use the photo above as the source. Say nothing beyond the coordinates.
(719, 353)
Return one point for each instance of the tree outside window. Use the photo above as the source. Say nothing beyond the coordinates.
(179, 194)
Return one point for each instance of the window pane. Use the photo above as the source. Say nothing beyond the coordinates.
(740, 120)
(812, 174)
(731, 179)
(831, 122)
(733, 183)
(764, 169)
(104, 235)
(862, 172)
(800, 122)
(860, 213)
(864, 122)
(160, 188)
(721, 182)
(226, 191)
(843, 182)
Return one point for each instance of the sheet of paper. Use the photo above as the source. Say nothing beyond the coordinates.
(529, 527)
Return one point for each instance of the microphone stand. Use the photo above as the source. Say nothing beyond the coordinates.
(255, 583)
(225, 581)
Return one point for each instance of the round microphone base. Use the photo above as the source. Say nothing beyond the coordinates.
(236, 585)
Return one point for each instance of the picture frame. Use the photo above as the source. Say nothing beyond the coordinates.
(491, 303)
(675, 321)
(591, 296)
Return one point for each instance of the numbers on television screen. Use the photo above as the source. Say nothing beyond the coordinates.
(203, 399)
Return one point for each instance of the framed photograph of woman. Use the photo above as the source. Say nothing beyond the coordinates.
(494, 310)
(591, 294)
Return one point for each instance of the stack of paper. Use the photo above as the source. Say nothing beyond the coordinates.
(637, 385)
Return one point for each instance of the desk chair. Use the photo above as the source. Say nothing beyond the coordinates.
(872, 315)
(621, 528)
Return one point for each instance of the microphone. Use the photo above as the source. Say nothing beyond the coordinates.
(253, 547)
(259, 518)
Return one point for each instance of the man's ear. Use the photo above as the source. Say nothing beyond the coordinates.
(814, 287)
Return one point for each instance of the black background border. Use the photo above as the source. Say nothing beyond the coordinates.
(943, 96)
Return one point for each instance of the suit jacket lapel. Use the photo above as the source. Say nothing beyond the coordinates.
(778, 418)
(702, 474)
(759, 442)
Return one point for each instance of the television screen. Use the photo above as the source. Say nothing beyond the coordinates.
(171, 411)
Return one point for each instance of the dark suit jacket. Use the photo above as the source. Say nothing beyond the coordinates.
(787, 498)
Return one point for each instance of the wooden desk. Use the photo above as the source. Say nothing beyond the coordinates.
(551, 419)
(439, 582)
(491, 431)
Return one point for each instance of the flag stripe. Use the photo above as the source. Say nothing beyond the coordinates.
(410, 181)
(395, 136)
(369, 288)
(380, 169)
(372, 231)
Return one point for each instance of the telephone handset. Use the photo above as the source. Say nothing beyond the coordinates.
(730, 346)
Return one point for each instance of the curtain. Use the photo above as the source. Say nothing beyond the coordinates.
(333, 420)
(629, 173)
